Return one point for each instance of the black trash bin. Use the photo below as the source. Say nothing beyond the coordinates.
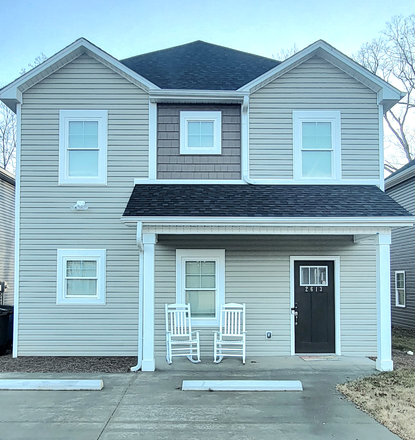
(10, 310)
(4, 329)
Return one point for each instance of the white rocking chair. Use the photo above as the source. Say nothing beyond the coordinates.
(180, 340)
(230, 339)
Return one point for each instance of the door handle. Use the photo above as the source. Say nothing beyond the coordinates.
(294, 312)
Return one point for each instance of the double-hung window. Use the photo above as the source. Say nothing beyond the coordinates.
(81, 276)
(83, 146)
(200, 132)
(400, 288)
(317, 146)
(200, 282)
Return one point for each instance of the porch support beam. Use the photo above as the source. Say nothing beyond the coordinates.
(384, 356)
(149, 243)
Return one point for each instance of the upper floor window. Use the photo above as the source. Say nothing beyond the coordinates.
(81, 276)
(83, 146)
(317, 144)
(200, 132)
(400, 288)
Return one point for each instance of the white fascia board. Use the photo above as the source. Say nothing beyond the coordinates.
(380, 222)
(187, 182)
(11, 91)
(335, 57)
(246, 181)
(400, 177)
(183, 95)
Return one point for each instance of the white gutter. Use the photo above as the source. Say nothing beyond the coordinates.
(140, 297)
(283, 221)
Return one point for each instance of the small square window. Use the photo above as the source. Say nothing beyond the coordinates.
(200, 279)
(200, 132)
(400, 288)
(83, 146)
(81, 276)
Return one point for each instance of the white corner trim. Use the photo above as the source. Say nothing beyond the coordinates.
(337, 308)
(152, 141)
(17, 233)
(381, 149)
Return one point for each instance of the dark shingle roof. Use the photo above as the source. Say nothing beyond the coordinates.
(276, 201)
(200, 66)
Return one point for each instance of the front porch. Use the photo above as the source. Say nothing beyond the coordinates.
(259, 270)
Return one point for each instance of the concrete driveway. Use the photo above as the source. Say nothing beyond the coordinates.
(153, 406)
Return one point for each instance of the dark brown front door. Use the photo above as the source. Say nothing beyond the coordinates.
(314, 305)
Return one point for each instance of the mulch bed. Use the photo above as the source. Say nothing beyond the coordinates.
(66, 364)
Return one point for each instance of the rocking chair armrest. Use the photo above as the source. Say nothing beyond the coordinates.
(195, 332)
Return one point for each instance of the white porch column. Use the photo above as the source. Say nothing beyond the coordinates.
(149, 242)
(384, 329)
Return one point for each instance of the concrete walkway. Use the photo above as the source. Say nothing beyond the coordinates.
(153, 406)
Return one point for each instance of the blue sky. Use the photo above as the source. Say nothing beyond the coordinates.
(125, 28)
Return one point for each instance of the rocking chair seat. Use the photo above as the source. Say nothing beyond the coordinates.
(180, 339)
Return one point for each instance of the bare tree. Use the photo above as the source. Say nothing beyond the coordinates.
(392, 57)
(8, 135)
(7, 138)
(284, 54)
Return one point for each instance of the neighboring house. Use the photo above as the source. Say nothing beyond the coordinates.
(202, 174)
(7, 188)
(401, 186)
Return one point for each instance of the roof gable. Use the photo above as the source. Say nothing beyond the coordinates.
(200, 66)
(387, 94)
(12, 93)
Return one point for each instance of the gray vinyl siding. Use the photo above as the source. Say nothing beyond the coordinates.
(7, 191)
(48, 223)
(403, 256)
(172, 165)
(313, 85)
(258, 273)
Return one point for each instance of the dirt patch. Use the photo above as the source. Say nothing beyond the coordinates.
(389, 397)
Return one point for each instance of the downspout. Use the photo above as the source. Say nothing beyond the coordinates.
(140, 297)
(245, 141)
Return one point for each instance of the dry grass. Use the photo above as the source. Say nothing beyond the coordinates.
(390, 397)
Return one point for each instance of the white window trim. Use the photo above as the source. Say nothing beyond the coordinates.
(396, 288)
(317, 116)
(217, 255)
(65, 116)
(99, 255)
(193, 116)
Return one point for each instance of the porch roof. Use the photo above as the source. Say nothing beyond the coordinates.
(261, 201)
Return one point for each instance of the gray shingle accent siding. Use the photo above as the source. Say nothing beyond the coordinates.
(172, 165)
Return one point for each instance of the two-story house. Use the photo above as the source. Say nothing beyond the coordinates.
(400, 186)
(204, 175)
